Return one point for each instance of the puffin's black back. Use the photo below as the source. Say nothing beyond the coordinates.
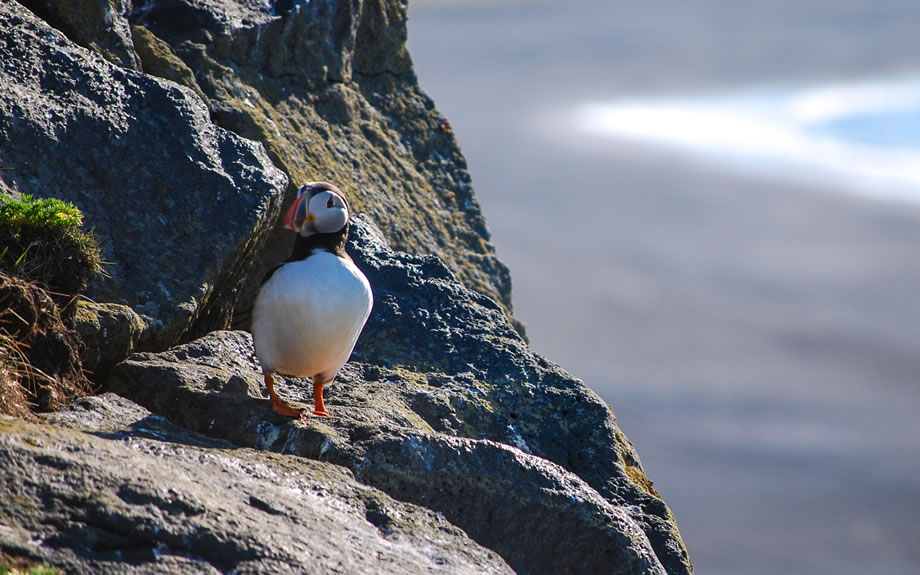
(332, 243)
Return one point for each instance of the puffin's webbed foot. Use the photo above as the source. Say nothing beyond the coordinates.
(279, 406)
(282, 408)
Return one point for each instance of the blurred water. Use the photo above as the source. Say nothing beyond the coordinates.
(863, 137)
(757, 334)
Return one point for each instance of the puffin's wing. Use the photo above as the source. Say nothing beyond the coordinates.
(270, 272)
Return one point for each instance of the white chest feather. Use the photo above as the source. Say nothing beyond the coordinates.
(308, 315)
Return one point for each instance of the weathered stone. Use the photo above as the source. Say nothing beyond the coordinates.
(100, 25)
(443, 404)
(180, 205)
(490, 490)
(110, 488)
(439, 380)
(380, 45)
(110, 332)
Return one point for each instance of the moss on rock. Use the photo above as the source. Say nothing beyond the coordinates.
(158, 59)
(100, 25)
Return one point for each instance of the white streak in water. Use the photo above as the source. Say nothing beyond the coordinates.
(863, 137)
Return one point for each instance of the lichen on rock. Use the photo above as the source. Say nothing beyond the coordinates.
(100, 25)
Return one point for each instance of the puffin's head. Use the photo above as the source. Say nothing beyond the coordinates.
(320, 208)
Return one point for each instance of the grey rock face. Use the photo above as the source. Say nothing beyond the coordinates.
(111, 489)
(535, 514)
(101, 25)
(328, 87)
(180, 205)
(440, 389)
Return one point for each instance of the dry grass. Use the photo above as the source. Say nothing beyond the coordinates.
(39, 355)
(14, 396)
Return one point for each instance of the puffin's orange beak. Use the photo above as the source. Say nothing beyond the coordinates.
(291, 216)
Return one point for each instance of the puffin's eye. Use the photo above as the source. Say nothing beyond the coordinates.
(330, 203)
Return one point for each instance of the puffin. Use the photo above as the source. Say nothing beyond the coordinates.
(310, 309)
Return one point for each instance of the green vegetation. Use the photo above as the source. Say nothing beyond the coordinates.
(48, 213)
(42, 240)
(42, 244)
(44, 569)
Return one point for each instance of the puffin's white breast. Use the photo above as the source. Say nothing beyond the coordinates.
(307, 316)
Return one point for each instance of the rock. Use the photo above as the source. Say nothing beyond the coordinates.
(180, 205)
(328, 87)
(110, 332)
(490, 490)
(110, 488)
(445, 406)
(100, 25)
(159, 60)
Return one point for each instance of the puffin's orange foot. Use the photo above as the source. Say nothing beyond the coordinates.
(286, 410)
(319, 408)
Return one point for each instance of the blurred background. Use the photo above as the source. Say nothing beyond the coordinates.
(711, 211)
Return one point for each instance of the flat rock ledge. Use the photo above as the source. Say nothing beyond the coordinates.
(110, 488)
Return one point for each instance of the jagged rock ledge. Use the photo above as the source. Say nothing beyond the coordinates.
(445, 406)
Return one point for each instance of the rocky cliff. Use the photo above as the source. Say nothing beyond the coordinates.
(181, 129)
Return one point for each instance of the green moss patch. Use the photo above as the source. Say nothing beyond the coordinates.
(22, 566)
(36, 570)
(42, 240)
